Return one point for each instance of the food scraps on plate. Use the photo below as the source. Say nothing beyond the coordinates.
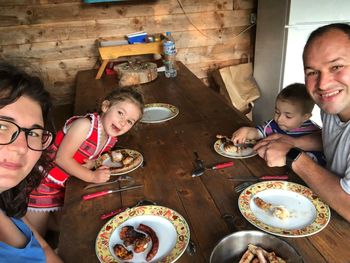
(119, 160)
(278, 211)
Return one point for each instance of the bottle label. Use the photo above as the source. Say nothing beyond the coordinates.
(169, 48)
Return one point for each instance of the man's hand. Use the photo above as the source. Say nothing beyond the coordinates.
(274, 148)
(281, 138)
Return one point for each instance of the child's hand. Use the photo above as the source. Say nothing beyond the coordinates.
(89, 164)
(245, 133)
(101, 175)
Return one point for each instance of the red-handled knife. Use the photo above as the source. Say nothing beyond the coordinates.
(102, 193)
(261, 178)
(221, 165)
(274, 177)
(122, 209)
(110, 214)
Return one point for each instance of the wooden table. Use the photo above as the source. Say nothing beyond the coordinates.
(168, 151)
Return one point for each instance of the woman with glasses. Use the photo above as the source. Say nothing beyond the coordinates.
(24, 108)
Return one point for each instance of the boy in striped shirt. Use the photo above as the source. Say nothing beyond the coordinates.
(293, 109)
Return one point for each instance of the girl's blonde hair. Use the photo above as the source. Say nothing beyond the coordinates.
(123, 94)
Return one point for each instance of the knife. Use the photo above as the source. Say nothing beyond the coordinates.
(121, 178)
(265, 177)
(220, 166)
(112, 213)
(122, 209)
(102, 193)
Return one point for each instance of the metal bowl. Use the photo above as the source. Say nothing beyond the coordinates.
(232, 247)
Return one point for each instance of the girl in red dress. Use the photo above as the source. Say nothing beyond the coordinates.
(81, 141)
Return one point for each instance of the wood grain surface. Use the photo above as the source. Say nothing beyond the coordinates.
(168, 151)
(58, 38)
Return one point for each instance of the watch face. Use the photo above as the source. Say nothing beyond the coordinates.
(293, 153)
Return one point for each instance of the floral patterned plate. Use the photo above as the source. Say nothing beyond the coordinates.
(244, 153)
(158, 112)
(307, 213)
(171, 229)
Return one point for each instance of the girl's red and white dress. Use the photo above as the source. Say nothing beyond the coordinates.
(49, 196)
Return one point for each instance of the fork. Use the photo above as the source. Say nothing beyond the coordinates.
(243, 186)
(247, 143)
(121, 178)
(219, 136)
(191, 248)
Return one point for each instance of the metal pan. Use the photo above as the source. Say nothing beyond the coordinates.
(231, 248)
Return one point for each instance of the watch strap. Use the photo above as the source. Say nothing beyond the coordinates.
(292, 155)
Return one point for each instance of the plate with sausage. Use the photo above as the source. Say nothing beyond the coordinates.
(229, 150)
(143, 234)
(284, 208)
(120, 161)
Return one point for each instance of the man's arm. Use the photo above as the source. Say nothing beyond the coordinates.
(311, 142)
(325, 184)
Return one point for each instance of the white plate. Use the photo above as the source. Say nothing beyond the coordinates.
(158, 112)
(170, 227)
(307, 213)
(244, 153)
(301, 211)
(165, 232)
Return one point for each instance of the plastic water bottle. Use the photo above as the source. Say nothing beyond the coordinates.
(169, 51)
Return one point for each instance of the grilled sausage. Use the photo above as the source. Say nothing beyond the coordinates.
(247, 257)
(155, 242)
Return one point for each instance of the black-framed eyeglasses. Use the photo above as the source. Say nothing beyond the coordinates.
(38, 139)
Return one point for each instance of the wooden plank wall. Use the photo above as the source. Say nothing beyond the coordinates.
(58, 37)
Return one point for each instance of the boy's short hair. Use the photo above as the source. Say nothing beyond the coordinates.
(297, 93)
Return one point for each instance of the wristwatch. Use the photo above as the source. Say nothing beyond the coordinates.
(292, 155)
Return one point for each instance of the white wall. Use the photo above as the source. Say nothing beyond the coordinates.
(283, 27)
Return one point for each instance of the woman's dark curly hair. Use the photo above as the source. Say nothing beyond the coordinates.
(14, 84)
